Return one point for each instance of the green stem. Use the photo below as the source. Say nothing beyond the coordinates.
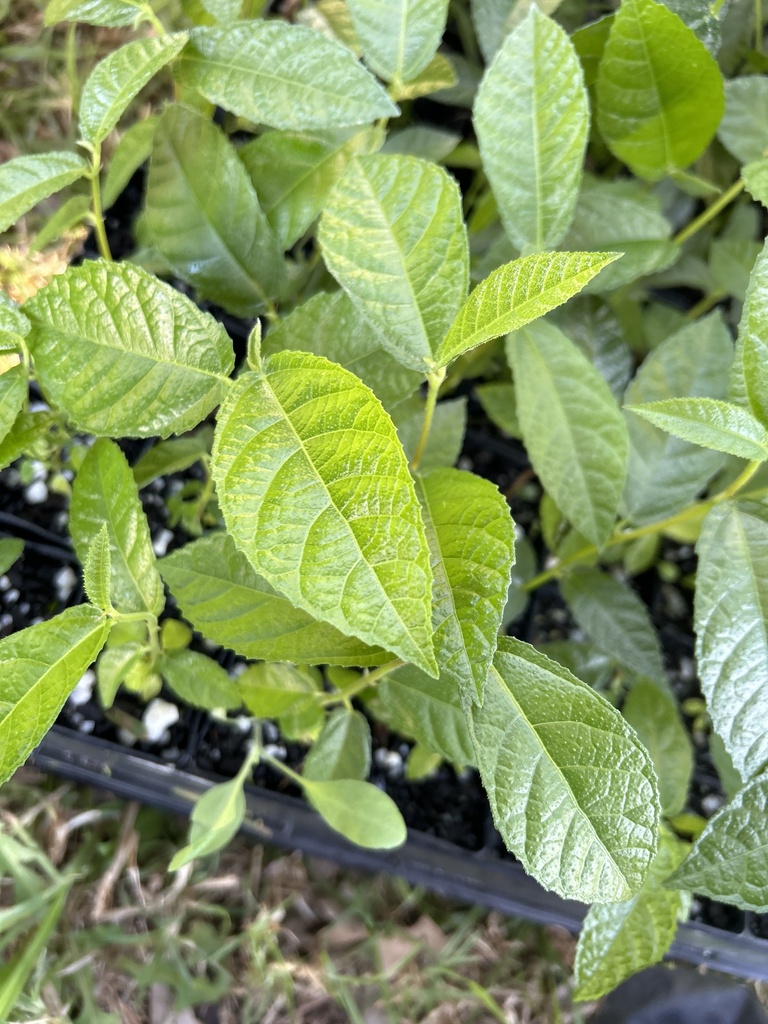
(98, 212)
(705, 304)
(362, 684)
(434, 382)
(289, 772)
(154, 21)
(759, 25)
(711, 212)
(71, 63)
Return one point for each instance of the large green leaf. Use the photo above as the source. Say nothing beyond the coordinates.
(218, 238)
(572, 790)
(110, 13)
(218, 590)
(199, 680)
(652, 713)
(534, 153)
(123, 354)
(729, 861)
(13, 394)
(398, 37)
(572, 427)
(40, 667)
(118, 78)
(104, 491)
(314, 488)
(472, 542)
(342, 750)
(359, 811)
(703, 18)
(748, 385)
(659, 91)
(666, 473)
(517, 293)
(731, 620)
(744, 127)
(294, 172)
(619, 939)
(711, 423)
(286, 76)
(393, 236)
(27, 180)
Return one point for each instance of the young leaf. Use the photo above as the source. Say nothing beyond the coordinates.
(729, 860)
(517, 293)
(343, 749)
(97, 571)
(572, 427)
(27, 180)
(652, 713)
(113, 666)
(619, 939)
(14, 386)
(744, 127)
(393, 236)
(748, 385)
(216, 820)
(218, 239)
(282, 75)
(269, 691)
(217, 589)
(446, 435)
(315, 490)
(40, 666)
(398, 37)
(26, 432)
(534, 154)
(109, 13)
(472, 540)
(659, 91)
(200, 681)
(173, 456)
(711, 423)
(132, 151)
(359, 811)
(125, 355)
(118, 78)
(11, 549)
(572, 791)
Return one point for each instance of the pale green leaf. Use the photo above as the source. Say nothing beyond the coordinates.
(70, 214)
(592, 325)
(755, 177)
(517, 293)
(748, 385)
(730, 779)
(113, 666)
(173, 456)
(495, 19)
(12, 320)
(109, 13)
(703, 18)
(11, 549)
(358, 810)
(223, 10)
(104, 492)
(343, 749)
(216, 820)
(524, 569)
(28, 430)
(200, 681)
(124, 354)
(217, 589)
(13, 394)
(27, 180)
(438, 76)
(446, 435)
(652, 713)
(315, 490)
(744, 127)
(282, 75)
(499, 405)
(422, 141)
(133, 149)
(583, 660)
(393, 236)
(271, 690)
(711, 423)
(572, 791)
(572, 428)
(531, 116)
(97, 570)
(659, 91)
(398, 37)
(40, 667)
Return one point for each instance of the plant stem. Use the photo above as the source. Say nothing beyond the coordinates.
(154, 21)
(366, 680)
(434, 382)
(759, 25)
(97, 212)
(72, 75)
(711, 211)
(705, 304)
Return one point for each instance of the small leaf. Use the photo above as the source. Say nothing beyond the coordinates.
(110, 13)
(70, 214)
(343, 749)
(97, 571)
(398, 37)
(362, 813)
(113, 666)
(744, 127)
(216, 820)
(173, 456)
(270, 690)
(711, 423)
(29, 429)
(14, 386)
(755, 177)
(652, 713)
(517, 293)
(437, 76)
(282, 75)
(11, 550)
(131, 152)
(446, 435)
(200, 681)
(26, 180)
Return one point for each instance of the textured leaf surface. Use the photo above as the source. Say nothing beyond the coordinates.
(27, 180)
(711, 423)
(12, 320)
(223, 597)
(446, 435)
(282, 75)
(125, 355)
(40, 667)
(532, 120)
(200, 681)
(132, 151)
(110, 13)
(659, 91)
(572, 790)
(517, 293)
(343, 749)
(744, 127)
(398, 37)
(13, 394)
(495, 19)
(315, 489)
(393, 236)
(359, 810)
(104, 492)
(572, 427)
(97, 570)
(652, 713)
(748, 385)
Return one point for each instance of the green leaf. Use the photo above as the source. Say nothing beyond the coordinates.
(437, 76)
(446, 435)
(730, 615)
(703, 18)
(755, 176)
(572, 428)
(744, 127)
(589, 42)
(393, 236)
(217, 589)
(216, 820)
(40, 666)
(499, 405)
(118, 79)
(534, 154)
(495, 19)
(12, 320)
(105, 493)
(659, 91)
(109, 13)
(731, 781)
(343, 749)
(472, 541)
(293, 173)
(285, 76)
(729, 860)
(125, 355)
(29, 429)
(665, 473)
(20, 966)
(422, 141)
(270, 690)
(13, 394)
(70, 214)
(748, 385)
(652, 713)
(619, 939)
(615, 619)
(223, 10)
(200, 681)
(359, 811)
(711, 423)
(398, 37)
(133, 149)
(572, 791)
(330, 325)
(315, 490)
(517, 293)
(97, 571)
(11, 549)
(592, 325)
(217, 239)
(113, 666)
(27, 180)
(173, 456)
